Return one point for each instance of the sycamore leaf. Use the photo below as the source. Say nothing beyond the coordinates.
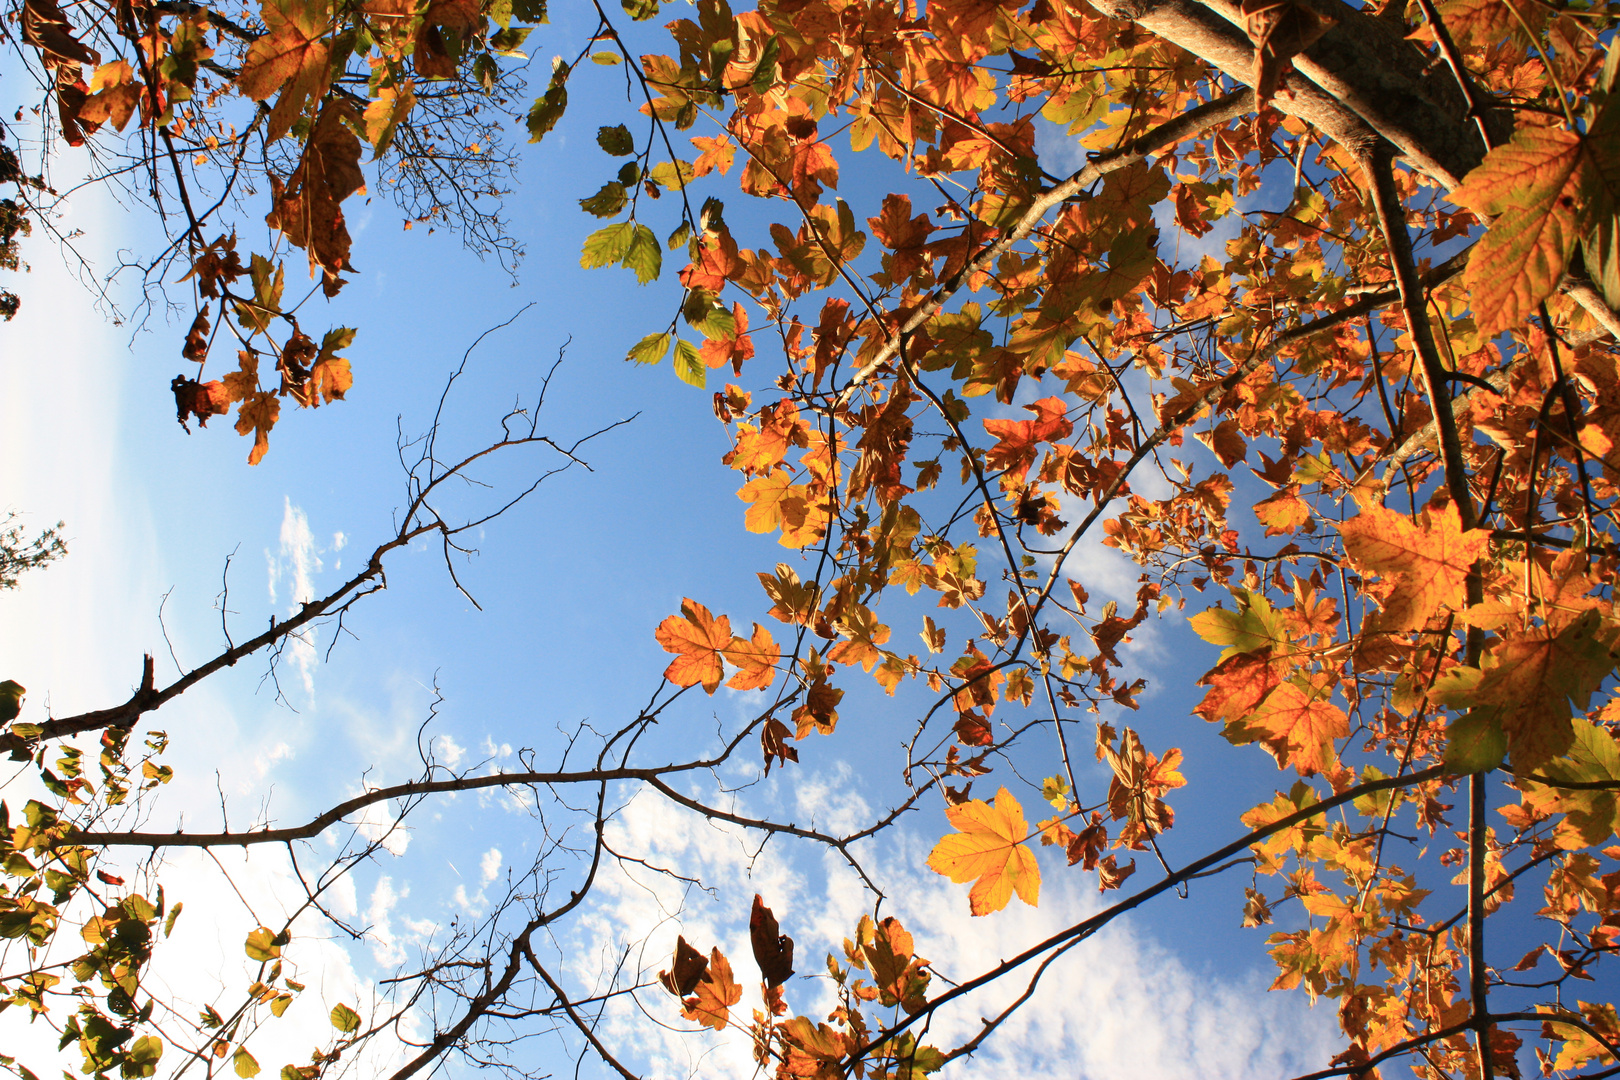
(1592, 815)
(696, 638)
(1527, 685)
(1297, 726)
(756, 660)
(773, 950)
(686, 972)
(1424, 566)
(292, 56)
(307, 209)
(383, 116)
(716, 992)
(988, 849)
(1254, 625)
(1529, 181)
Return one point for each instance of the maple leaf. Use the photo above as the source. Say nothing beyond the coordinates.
(715, 993)
(292, 57)
(988, 849)
(1297, 726)
(1532, 183)
(688, 969)
(1525, 686)
(307, 207)
(697, 639)
(258, 413)
(1591, 816)
(384, 115)
(765, 494)
(1424, 564)
(756, 660)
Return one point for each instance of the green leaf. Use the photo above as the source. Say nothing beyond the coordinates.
(644, 255)
(548, 107)
(705, 316)
(688, 365)
(681, 235)
(650, 349)
(607, 245)
(261, 945)
(142, 1056)
(11, 696)
(606, 59)
(279, 1003)
(640, 10)
(345, 1019)
(616, 140)
(629, 173)
(1055, 790)
(508, 41)
(244, 1063)
(765, 75)
(1475, 742)
(672, 174)
(530, 11)
(606, 202)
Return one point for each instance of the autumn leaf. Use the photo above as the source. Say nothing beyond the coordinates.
(292, 57)
(714, 994)
(697, 639)
(988, 849)
(384, 115)
(755, 659)
(258, 413)
(1531, 182)
(1424, 564)
(1525, 687)
(1298, 726)
(773, 950)
(688, 969)
(307, 206)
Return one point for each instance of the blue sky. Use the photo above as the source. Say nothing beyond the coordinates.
(571, 584)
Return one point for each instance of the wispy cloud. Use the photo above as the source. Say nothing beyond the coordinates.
(296, 563)
(1120, 1005)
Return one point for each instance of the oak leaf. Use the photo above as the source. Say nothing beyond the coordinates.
(697, 639)
(988, 849)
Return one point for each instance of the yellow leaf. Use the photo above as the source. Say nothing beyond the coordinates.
(989, 847)
(696, 638)
(1425, 566)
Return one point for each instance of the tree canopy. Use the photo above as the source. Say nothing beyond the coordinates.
(1307, 308)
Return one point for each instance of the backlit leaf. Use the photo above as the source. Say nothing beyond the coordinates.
(988, 849)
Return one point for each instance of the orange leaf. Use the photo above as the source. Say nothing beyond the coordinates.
(696, 638)
(756, 659)
(716, 993)
(1425, 566)
(1530, 182)
(1298, 728)
(989, 847)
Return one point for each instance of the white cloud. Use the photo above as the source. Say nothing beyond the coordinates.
(1117, 1006)
(490, 865)
(375, 823)
(299, 559)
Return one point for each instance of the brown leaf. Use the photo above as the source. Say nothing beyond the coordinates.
(773, 950)
(688, 968)
(307, 207)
